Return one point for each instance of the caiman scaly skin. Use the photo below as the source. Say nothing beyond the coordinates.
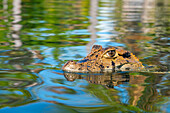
(109, 59)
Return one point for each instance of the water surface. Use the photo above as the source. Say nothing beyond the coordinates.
(38, 37)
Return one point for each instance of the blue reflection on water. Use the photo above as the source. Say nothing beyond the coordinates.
(72, 53)
(106, 43)
(41, 29)
(49, 55)
(38, 107)
(57, 88)
(123, 94)
(42, 34)
(76, 32)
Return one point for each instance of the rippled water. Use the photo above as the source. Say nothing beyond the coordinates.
(38, 37)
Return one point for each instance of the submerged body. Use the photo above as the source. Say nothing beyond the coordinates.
(109, 59)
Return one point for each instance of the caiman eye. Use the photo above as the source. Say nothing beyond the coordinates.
(111, 53)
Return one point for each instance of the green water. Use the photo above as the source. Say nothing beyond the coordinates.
(38, 36)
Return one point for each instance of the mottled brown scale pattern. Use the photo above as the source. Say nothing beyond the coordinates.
(105, 59)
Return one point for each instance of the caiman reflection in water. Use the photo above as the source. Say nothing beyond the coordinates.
(108, 80)
(141, 88)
